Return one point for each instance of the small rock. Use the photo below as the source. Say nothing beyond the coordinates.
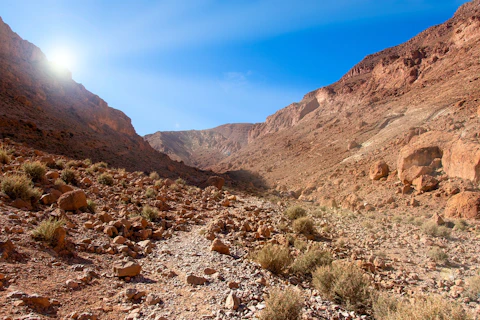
(194, 280)
(220, 247)
(232, 302)
(126, 269)
(72, 200)
(152, 299)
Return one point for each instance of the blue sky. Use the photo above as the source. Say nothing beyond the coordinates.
(197, 64)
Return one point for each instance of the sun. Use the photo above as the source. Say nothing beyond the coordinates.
(62, 58)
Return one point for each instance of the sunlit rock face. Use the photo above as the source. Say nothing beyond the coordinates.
(41, 105)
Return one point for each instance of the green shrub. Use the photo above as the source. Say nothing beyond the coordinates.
(295, 212)
(150, 213)
(345, 284)
(421, 307)
(71, 164)
(35, 170)
(20, 186)
(154, 175)
(307, 262)
(68, 176)
(105, 179)
(87, 162)
(282, 305)
(4, 155)
(150, 193)
(432, 229)
(60, 164)
(274, 258)
(437, 254)
(304, 226)
(45, 231)
(180, 181)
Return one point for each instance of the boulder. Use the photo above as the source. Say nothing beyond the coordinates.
(462, 160)
(423, 150)
(425, 183)
(379, 170)
(220, 247)
(126, 269)
(194, 280)
(72, 200)
(463, 205)
(216, 181)
(414, 172)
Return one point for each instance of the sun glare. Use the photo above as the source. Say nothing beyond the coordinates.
(62, 58)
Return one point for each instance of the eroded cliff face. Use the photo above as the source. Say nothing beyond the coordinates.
(42, 106)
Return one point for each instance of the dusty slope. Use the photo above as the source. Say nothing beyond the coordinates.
(201, 148)
(44, 107)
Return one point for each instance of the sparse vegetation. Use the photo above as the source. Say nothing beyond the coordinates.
(150, 193)
(299, 244)
(461, 225)
(154, 175)
(20, 186)
(344, 283)
(150, 213)
(437, 254)
(282, 305)
(274, 258)
(45, 231)
(295, 212)
(91, 206)
(304, 226)
(386, 307)
(68, 176)
(105, 179)
(180, 181)
(4, 155)
(60, 164)
(307, 262)
(35, 170)
(473, 288)
(432, 229)
(71, 164)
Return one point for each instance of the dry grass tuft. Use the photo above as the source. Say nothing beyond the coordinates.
(307, 262)
(35, 170)
(45, 231)
(437, 254)
(4, 155)
(282, 305)
(150, 213)
(432, 307)
(105, 179)
(68, 176)
(345, 284)
(274, 258)
(295, 212)
(304, 226)
(20, 186)
(154, 175)
(432, 229)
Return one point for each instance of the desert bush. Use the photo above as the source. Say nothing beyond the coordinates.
(105, 179)
(437, 254)
(432, 229)
(35, 170)
(282, 305)
(298, 243)
(295, 212)
(91, 206)
(304, 226)
(159, 183)
(150, 213)
(4, 155)
(386, 307)
(71, 164)
(461, 224)
(154, 175)
(473, 288)
(274, 258)
(45, 231)
(68, 176)
(345, 284)
(150, 193)
(180, 181)
(20, 186)
(307, 262)
(59, 164)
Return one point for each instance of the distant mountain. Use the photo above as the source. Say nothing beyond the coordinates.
(201, 148)
(43, 107)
